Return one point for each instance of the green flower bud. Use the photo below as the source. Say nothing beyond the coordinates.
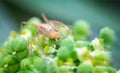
(39, 64)
(19, 44)
(68, 42)
(81, 30)
(82, 53)
(9, 47)
(13, 68)
(20, 55)
(64, 69)
(80, 43)
(25, 63)
(85, 68)
(16, 45)
(101, 57)
(31, 28)
(9, 63)
(97, 45)
(111, 69)
(52, 67)
(34, 20)
(108, 35)
(7, 60)
(63, 53)
(101, 69)
(26, 34)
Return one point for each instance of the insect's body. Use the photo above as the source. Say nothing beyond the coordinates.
(48, 31)
(51, 29)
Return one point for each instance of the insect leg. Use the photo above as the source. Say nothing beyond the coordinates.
(45, 18)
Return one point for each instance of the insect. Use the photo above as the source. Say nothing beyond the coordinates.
(48, 31)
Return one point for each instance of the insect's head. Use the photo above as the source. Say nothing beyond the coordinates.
(56, 33)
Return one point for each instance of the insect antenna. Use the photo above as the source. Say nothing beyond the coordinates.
(44, 18)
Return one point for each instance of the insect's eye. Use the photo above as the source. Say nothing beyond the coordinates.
(56, 30)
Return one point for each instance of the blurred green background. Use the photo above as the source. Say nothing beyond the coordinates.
(98, 13)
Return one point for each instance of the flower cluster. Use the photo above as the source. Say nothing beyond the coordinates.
(32, 52)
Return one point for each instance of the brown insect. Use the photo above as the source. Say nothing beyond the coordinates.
(48, 31)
